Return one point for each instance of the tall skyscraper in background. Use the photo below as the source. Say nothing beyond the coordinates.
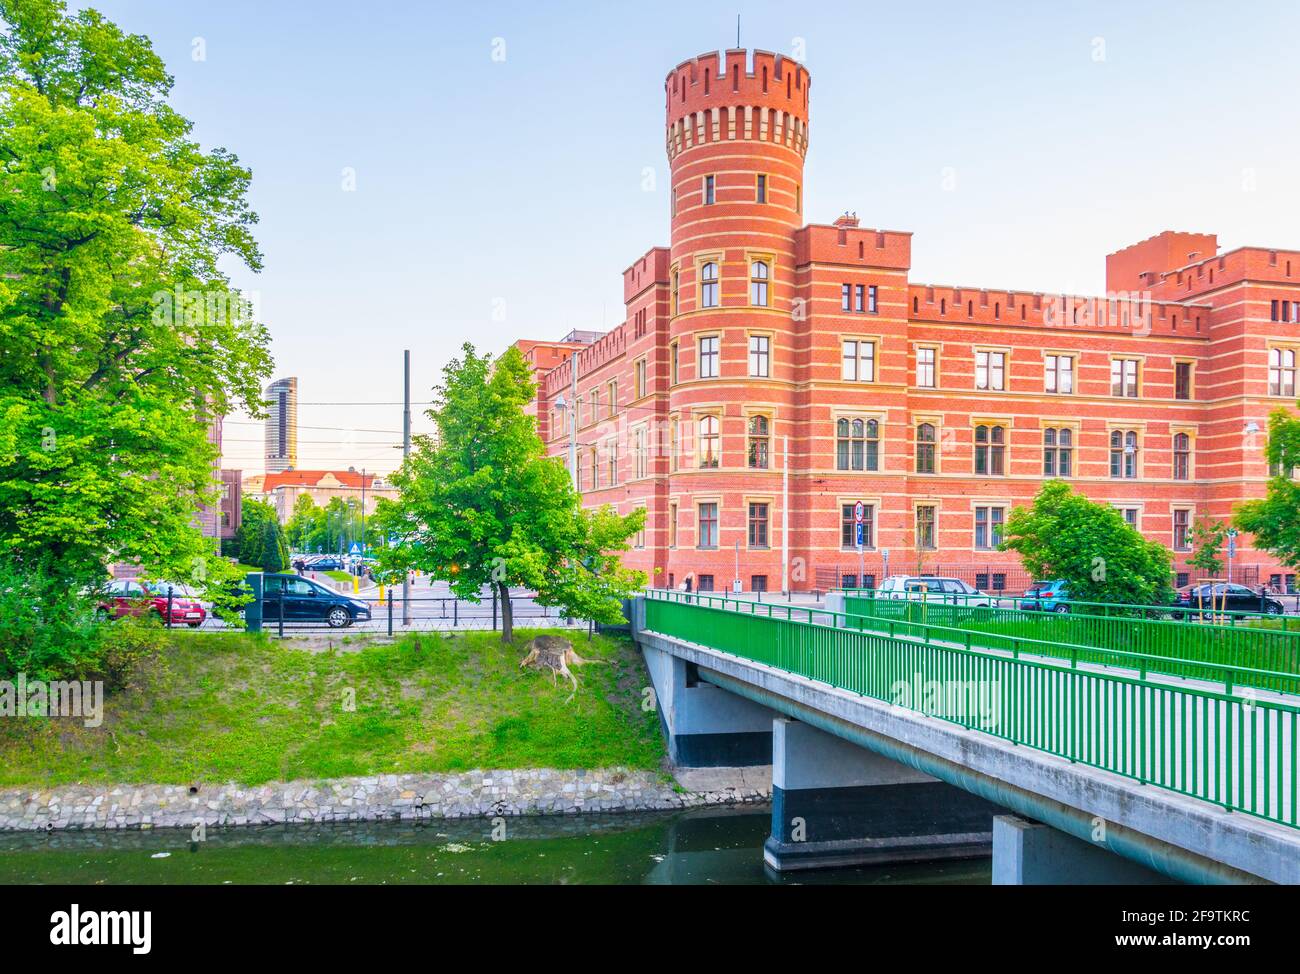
(282, 425)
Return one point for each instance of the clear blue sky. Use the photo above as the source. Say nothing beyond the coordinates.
(485, 185)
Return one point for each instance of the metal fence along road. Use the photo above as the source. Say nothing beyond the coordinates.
(1225, 747)
(391, 616)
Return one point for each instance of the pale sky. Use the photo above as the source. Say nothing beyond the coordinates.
(502, 198)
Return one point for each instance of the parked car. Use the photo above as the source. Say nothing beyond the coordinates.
(1209, 597)
(306, 601)
(326, 563)
(128, 597)
(1052, 596)
(931, 588)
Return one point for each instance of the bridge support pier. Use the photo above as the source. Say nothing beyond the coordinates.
(837, 804)
(1029, 853)
(706, 726)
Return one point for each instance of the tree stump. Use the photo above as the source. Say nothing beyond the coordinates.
(556, 654)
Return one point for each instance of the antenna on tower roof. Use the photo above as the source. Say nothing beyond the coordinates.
(738, 31)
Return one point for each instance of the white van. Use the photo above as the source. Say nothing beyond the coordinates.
(931, 588)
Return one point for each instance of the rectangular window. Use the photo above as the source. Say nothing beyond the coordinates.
(990, 370)
(760, 190)
(849, 529)
(925, 528)
(1058, 374)
(758, 583)
(1281, 372)
(858, 361)
(873, 295)
(759, 355)
(640, 378)
(709, 357)
(672, 525)
(925, 368)
(846, 296)
(672, 363)
(704, 583)
(672, 207)
(613, 398)
(708, 526)
(988, 527)
(758, 525)
(639, 453)
(708, 190)
(857, 298)
(1124, 377)
(1182, 380)
(1182, 530)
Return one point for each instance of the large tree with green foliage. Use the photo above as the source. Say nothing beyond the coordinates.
(481, 504)
(261, 540)
(1274, 519)
(1063, 535)
(120, 336)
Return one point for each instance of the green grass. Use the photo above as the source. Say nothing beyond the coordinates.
(219, 708)
(339, 576)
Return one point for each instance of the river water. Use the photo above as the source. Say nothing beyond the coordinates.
(721, 846)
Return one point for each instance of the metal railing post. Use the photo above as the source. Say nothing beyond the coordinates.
(390, 612)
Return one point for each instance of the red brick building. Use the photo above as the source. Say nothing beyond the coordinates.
(938, 407)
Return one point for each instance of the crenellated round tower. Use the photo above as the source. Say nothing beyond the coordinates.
(737, 135)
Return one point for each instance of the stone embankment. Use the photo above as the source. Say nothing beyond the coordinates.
(397, 796)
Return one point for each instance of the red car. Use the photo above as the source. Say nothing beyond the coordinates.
(132, 598)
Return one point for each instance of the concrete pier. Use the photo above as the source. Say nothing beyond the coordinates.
(837, 804)
(1029, 853)
(706, 727)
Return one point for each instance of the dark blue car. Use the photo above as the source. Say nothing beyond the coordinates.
(305, 601)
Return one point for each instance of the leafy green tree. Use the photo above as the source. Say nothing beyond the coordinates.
(1274, 519)
(303, 522)
(1090, 546)
(481, 504)
(1207, 538)
(120, 335)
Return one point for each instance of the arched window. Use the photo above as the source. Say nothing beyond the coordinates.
(1182, 456)
(857, 444)
(709, 285)
(1058, 451)
(710, 442)
(1123, 454)
(990, 450)
(758, 275)
(759, 440)
(925, 444)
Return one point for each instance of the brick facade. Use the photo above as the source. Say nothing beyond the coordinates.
(737, 342)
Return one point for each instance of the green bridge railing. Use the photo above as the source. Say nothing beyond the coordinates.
(1223, 747)
(1175, 642)
(899, 624)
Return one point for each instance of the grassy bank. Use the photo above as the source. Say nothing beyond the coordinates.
(238, 708)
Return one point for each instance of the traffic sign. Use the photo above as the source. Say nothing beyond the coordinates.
(355, 549)
(858, 511)
(859, 526)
